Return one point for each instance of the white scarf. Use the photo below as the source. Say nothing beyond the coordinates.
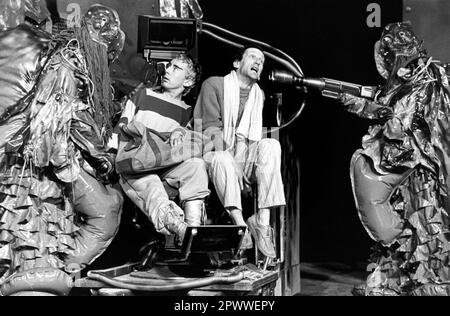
(250, 125)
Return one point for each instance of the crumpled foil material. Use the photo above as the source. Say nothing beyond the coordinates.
(13, 12)
(52, 213)
(412, 140)
(168, 9)
(104, 27)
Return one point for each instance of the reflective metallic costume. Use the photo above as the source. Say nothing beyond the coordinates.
(57, 211)
(187, 7)
(104, 28)
(14, 12)
(400, 177)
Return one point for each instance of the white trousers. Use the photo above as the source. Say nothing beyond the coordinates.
(148, 193)
(262, 165)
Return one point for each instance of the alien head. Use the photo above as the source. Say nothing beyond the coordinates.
(104, 27)
(397, 48)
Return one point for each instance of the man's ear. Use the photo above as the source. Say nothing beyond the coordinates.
(236, 64)
(188, 83)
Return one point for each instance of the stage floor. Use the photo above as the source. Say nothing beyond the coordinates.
(330, 279)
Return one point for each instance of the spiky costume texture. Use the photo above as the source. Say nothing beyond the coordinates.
(55, 212)
(411, 138)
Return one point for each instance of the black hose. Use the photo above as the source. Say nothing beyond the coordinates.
(195, 283)
(276, 58)
(270, 55)
(291, 120)
(299, 71)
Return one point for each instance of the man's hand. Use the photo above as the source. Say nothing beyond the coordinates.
(241, 151)
(176, 138)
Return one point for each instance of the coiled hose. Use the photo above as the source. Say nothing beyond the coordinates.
(155, 285)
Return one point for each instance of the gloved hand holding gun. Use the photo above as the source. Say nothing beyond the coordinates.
(356, 98)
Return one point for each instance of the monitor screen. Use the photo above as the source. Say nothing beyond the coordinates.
(158, 33)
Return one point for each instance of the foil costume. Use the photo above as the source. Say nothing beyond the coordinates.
(168, 8)
(400, 177)
(14, 12)
(58, 211)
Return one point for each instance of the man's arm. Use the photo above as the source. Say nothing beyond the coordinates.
(208, 111)
(126, 116)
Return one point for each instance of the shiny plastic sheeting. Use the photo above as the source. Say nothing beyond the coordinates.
(13, 12)
(104, 27)
(100, 207)
(47, 91)
(36, 222)
(20, 64)
(372, 193)
(396, 205)
(38, 280)
(11, 129)
(168, 9)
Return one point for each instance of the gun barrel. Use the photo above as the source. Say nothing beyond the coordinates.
(329, 87)
(316, 83)
(332, 88)
(341, 86)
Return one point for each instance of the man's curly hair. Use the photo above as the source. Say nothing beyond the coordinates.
(194, 70)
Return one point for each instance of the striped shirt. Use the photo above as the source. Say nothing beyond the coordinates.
(156, 111)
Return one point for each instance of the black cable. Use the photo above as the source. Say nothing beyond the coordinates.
(276, 58)
(268, 54)
(298, 72)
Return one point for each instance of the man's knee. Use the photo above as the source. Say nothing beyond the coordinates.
(196, 163)
(196, 167)
(269, 146)
(221, 159)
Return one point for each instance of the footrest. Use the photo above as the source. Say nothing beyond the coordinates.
(212, 238)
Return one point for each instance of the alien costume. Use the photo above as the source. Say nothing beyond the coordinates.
(57, 211)
(400, 177)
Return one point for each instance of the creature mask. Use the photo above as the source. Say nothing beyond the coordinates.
(104, 27)
(13, 12)
(397, 47)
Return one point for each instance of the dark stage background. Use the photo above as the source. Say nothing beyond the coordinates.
(328, 39)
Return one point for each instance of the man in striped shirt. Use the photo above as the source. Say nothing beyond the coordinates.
(163, 111)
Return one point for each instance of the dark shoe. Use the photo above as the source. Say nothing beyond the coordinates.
(263, 237)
